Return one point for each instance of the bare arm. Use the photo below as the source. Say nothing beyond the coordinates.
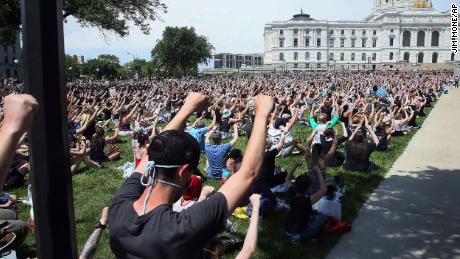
(322, 187)
(214, 120)
(18, 117)
(250, 242)
(374, 137)
(344, 129)
(235, 134)
(93, 241)
(236, 186)
(290, 174)
(193, 102)
(113, 137)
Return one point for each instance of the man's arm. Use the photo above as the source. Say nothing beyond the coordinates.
(93, 241)
(193, 102)
(236, 186)
(18, 117)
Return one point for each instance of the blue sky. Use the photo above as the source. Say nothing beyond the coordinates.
(231, 26)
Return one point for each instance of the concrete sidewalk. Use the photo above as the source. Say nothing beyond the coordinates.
(415, 211)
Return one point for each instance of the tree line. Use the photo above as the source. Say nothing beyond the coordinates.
(178, 53)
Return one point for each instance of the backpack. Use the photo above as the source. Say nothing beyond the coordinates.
(334, 225)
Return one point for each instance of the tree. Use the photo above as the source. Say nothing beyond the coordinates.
(136, 66)
(72, 68)
(104, 66)
(180, 51)
(10, 19)
(106, 15)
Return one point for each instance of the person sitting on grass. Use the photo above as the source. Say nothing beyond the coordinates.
(232, 164)
(358, 150)
(278, 126)
(322, 123)
(302, 223)
(321, 164)
(217, 152)
(142, 222)
(79, 154)
(401, 121)
(198, 129)
(98, 142)
(326, 143)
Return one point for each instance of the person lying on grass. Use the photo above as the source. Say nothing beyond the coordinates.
(142, 222)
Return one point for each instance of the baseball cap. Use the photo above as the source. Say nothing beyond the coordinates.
(174, 147)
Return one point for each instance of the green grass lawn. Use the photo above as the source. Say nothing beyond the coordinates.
(93, 191)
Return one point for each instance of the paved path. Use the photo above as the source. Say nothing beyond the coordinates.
(415, 211)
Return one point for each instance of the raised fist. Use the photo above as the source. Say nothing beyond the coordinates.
(196, 101)
(255, 199)
(19, 109)
(263, 105)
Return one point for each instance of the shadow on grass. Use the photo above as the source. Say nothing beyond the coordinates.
(413, 214)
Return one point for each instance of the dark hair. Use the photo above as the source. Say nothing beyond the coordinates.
(173, 147)
(235, 154)
(141, 138)
(359, 137)
(330, 193)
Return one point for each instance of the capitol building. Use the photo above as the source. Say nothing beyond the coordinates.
(397, 33)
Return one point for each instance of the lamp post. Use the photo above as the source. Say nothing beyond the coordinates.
(16, 62)
(132, 65)
(70, 73)
(97, 73)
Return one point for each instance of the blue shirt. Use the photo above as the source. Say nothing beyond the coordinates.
(216, 159)
(198, 134)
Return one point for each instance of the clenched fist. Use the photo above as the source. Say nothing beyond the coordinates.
(19, 109)
(196, 101)
(263, 105)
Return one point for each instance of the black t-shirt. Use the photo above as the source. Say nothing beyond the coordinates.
(162, 233)
(299, 213)
(383, 140)
(268, 164)
(357, 159)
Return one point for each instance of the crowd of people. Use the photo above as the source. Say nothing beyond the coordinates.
(163, 208)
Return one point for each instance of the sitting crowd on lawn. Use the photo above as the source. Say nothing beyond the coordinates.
(164, 208)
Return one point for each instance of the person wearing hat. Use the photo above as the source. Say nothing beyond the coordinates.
(142, 222)
(217, 152)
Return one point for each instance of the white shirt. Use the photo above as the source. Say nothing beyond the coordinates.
(329, 208)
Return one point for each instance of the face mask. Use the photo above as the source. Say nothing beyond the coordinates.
(150, 171)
